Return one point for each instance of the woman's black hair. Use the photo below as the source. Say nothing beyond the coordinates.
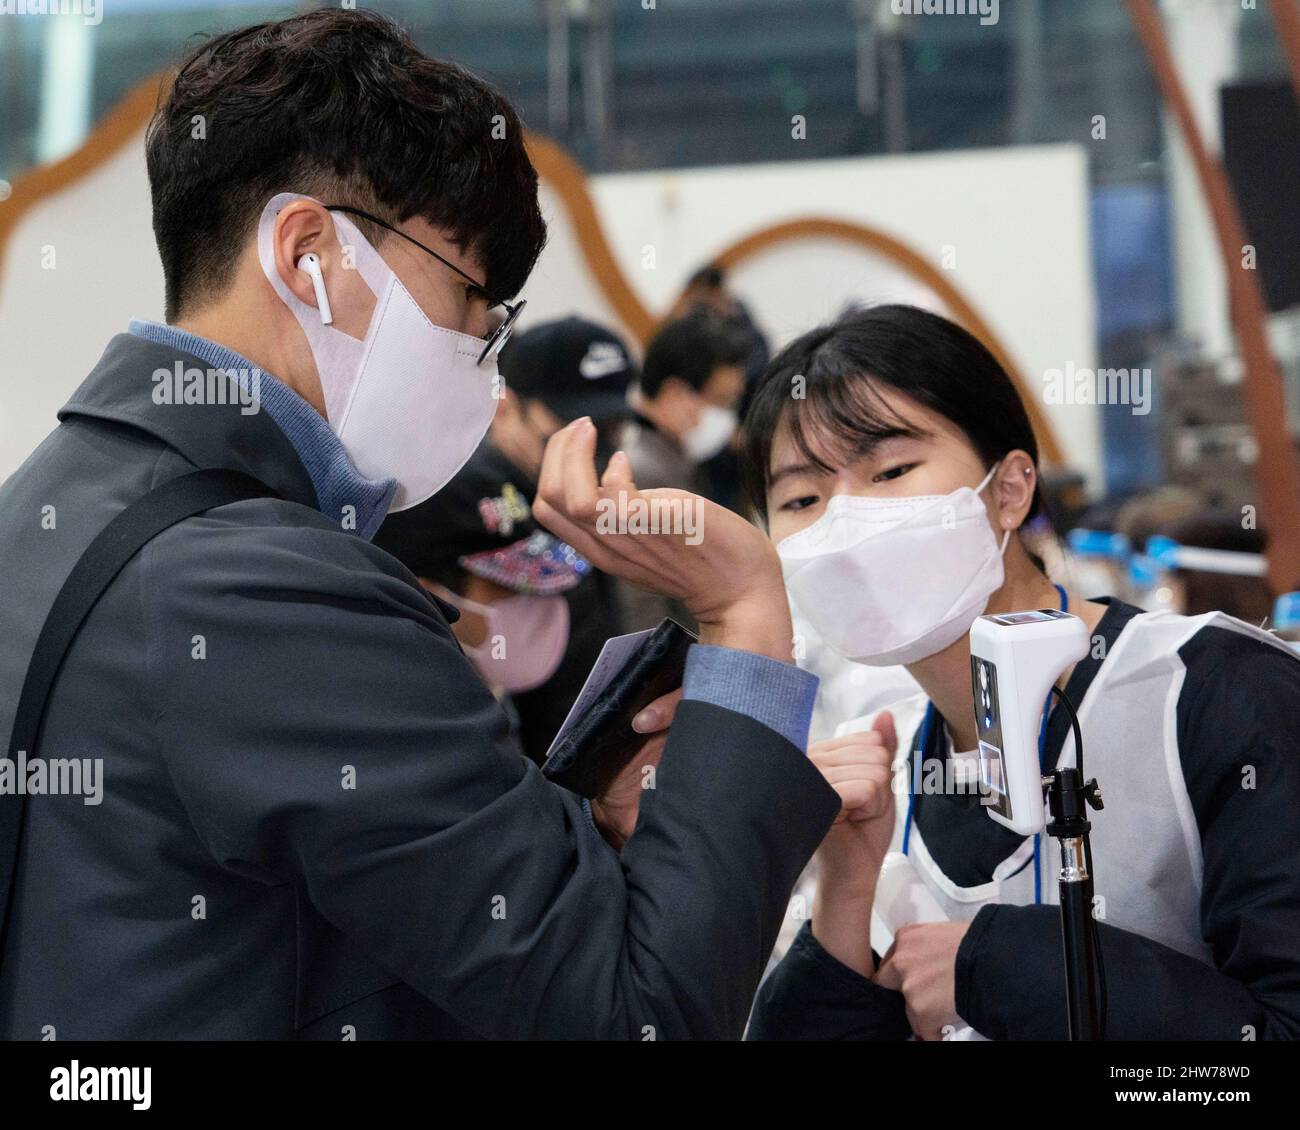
(823, 385)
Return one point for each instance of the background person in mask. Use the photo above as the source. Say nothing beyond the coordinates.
(895, 493)
(313, 821)
(691, 380)
(475, 545)
(557, 372)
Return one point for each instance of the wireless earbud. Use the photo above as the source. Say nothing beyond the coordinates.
(311, 264)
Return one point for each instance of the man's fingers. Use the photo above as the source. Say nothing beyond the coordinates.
(550, 479)
(579, 469)
(618, 474)
(589, 545)
(659, 714)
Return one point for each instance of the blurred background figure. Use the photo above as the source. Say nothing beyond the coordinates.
(706, 289)
(1136, 522)
(1211, 564)
(685, 414)
(558, 371)
(475, 546)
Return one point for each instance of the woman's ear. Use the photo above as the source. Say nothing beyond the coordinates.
(1012, 490)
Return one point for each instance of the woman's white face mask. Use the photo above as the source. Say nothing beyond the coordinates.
(888, 581)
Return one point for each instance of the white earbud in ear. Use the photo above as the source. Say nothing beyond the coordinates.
(311, 264)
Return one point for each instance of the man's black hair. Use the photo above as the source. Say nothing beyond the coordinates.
(340, 105)
(691, 348)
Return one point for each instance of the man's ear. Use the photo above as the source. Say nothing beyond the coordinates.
(306, 226)
(300, 227)
(1012, 489)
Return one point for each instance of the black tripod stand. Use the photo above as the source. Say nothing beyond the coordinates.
(1068, 799)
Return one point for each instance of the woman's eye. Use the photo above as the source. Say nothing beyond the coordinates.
(800, 503)
(893, 473)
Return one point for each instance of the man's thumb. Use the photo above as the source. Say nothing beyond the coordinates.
(884, 726)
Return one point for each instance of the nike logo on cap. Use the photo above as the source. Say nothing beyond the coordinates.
(603, 358)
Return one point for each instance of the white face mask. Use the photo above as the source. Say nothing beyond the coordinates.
(711, 433)
(410, 401)
(525, 640)
(886, 581)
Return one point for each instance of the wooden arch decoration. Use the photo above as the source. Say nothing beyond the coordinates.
(113, 132)
(559, 170)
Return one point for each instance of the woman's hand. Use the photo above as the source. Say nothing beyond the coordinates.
(723, 568)
(922, 965)
(860, 768)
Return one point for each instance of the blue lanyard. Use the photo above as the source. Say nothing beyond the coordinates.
(923, 743)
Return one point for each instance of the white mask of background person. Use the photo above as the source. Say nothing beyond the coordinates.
(699, 421)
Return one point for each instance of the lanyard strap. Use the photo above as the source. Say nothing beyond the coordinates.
(923, 743)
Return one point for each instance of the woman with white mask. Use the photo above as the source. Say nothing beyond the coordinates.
(897, 486)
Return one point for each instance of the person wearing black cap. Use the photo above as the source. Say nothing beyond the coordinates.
(475, 545)
(561, 370)
(555, 373)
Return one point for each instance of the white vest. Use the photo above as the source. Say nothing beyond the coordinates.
(1146, 847)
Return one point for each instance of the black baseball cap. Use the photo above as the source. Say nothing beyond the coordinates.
(482, 522)
(574, 367)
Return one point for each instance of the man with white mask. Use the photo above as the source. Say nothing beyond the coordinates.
(312, 821)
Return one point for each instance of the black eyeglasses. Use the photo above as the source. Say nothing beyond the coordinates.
(499, 336)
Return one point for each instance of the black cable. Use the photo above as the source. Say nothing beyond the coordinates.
(1064, 699)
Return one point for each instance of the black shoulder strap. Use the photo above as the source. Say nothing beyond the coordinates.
(103, 559)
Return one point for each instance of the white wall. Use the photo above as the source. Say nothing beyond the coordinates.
(55, 322)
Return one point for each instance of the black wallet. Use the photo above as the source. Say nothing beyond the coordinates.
(600, 744)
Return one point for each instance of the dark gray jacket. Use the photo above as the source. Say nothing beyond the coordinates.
(313, 822)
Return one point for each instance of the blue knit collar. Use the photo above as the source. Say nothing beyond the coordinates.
(358, 504)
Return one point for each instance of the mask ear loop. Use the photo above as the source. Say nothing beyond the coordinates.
(1006, 537)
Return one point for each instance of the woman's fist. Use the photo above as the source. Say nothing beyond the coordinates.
(859, 767)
